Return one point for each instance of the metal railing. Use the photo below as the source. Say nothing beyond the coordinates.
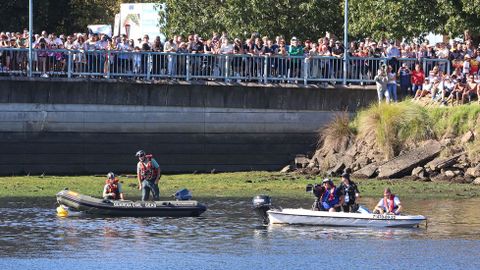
(186, 66)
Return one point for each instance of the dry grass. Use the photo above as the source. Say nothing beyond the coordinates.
(393, 126)
(337, 134)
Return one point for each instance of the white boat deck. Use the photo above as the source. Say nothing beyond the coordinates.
(323, 218)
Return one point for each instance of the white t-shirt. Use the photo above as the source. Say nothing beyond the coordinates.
(396, 202)
(466, 66)
(225, 49)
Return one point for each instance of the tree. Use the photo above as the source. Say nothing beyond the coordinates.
(240, 18)
(412, 18)
(57, 16)
(460, 15)
(393, 19)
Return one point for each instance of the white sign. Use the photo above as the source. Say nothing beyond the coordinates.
(137, 20)
(100, 29)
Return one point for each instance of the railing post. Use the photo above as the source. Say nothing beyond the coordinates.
(187, 63)
(424, 65)
(448, 68)
(306, 68)
(345, 67)
(69, 65)
(265, 69)
(226, 68)
(149, 65)
(107, 62)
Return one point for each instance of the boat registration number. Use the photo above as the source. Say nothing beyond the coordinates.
(135, 204)
(380, 216)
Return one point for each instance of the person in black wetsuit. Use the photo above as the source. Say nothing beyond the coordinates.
(351, 192)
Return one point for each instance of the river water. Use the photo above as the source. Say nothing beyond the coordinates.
(230, 236)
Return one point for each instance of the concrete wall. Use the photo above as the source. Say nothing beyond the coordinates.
(65, 127)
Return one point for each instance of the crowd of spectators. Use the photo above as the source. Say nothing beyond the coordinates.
(437, 87)
(89, 54)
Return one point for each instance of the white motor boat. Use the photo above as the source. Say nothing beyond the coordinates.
(300, 216)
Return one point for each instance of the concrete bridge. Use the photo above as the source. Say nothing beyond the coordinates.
(65, 126)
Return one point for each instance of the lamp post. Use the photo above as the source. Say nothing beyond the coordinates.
(127, 30)
(30, 37)
(345, 43)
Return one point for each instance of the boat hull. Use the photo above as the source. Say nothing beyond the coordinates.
(323, 218)
(94, 206)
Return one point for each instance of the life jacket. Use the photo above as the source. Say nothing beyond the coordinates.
(113, 188)
(389, 204)
(330, 198)
(148, 171)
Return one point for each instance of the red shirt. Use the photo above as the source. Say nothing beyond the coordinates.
(418, 77)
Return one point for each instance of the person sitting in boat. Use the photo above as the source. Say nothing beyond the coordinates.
(112, 189)
(148, 175)
(350, 191)
(333, 198)
(390, 204)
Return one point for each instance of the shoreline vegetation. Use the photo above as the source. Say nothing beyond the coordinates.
(401, 140)
(227, 185)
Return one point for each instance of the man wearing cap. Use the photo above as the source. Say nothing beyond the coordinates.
(112, 189)
(351, 192)
(333, 198)
(148, 175)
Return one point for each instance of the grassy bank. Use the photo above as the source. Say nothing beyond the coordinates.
(393, 126)
(228, 185)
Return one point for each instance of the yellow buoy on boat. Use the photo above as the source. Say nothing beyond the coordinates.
(61, 211)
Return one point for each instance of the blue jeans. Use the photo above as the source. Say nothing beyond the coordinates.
(392, 90)
(416, 87)
(150, 186)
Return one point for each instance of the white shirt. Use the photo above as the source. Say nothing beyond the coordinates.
(225, 49)
(396, 202)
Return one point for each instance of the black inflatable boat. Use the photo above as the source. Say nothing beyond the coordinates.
(71, 201)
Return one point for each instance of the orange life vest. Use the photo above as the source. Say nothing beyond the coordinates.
(148, 171)
(389, 207)
(113, 188)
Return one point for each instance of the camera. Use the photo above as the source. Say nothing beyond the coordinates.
(316, 189)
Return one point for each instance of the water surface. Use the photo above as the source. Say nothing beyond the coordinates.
(230, 236)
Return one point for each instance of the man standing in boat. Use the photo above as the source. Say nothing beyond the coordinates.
(333, 198)
(390, 204)
(148, 175)
(112, 189)
(351, 192)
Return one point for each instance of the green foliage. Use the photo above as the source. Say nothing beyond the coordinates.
(394, 125)
(411, 18)
(455, 120)
(337, 134)
(393, 19)
(240, 18)
(67, 16)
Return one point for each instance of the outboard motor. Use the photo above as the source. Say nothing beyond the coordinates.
(261, 204)
(183, 195)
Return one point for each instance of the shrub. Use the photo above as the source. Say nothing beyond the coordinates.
(394, 125)
(337, 134)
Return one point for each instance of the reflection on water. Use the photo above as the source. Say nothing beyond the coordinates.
(229, 236)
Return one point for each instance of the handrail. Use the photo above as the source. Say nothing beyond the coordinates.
(114, 64)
